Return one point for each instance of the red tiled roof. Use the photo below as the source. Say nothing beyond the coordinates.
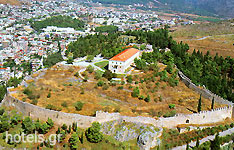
(125, 55)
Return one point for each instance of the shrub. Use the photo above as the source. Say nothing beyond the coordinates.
(122, 82)
(170, 114)
(50, 123)
(51, 107)
(147, 99)
(27, 91)
(120, 88)
(64, 104)
(76, 74)
(136, 92)
(105, 87)
(141, 97)
(73, 141)
(79, 105)
(86, 78)
(49, 95)
(171, 106)
(34, 102)
(129, 79)
(98, 75)
(64, 127)
(93, 133)
(28, 125)
(82, 90)
(2, 110)
(160, 98)
(90, 69)
(232, 125)
(113, 84)
(100, 83)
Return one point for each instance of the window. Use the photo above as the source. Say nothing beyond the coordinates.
(187, 121)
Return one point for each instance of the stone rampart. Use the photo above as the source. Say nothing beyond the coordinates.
(203, 91)
(60, 118)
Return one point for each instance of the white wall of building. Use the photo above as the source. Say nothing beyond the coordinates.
(119, 67)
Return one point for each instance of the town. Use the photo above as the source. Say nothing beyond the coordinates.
(20, 43)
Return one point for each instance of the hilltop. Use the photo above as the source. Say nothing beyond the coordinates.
(60, 88)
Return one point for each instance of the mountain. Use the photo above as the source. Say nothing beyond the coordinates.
(221, 8)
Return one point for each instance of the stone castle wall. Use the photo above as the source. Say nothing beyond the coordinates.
(60, 118)
(203, 91)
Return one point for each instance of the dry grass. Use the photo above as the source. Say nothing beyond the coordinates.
(95, 98)
(220, 40)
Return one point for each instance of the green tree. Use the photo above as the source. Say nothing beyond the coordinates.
(73, 141)
(199, 104)
(109, 75)
(52, 59)
(50, 123)
(90, 69)
(79, 105)
(198, 142)
(147, 99)
(93, 133)
(28, 125)
(98, 75)
(90, 58)
(212, 104)
(215, 144)
(129, 79)
(136, 92)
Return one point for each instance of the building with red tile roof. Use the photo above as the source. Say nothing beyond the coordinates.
(120, 62)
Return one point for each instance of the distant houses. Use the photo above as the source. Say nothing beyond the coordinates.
(119, 63)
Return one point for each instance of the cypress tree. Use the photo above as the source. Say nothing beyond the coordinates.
(187, 146)
(212, 104)
(215, 144)
(198, 142)
(199, 105)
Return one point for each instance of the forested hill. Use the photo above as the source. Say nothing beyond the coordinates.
(222, 8)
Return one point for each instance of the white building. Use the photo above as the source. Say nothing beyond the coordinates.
(119, 63)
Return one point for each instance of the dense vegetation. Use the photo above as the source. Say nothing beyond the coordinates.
(216, 73)
(2, 92)
(52, 59)
(108, 46)
(108, 29)
(59, 21)
(172, 137)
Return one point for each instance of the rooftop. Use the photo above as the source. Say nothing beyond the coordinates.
(125, 55)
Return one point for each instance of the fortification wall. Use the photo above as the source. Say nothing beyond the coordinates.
(203, 91)
(43, 114)
(204, 117)
(60, 118)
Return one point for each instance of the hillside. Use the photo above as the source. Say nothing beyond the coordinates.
(60, 89)
(215, 37)
(222, 8)
(11, 2)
